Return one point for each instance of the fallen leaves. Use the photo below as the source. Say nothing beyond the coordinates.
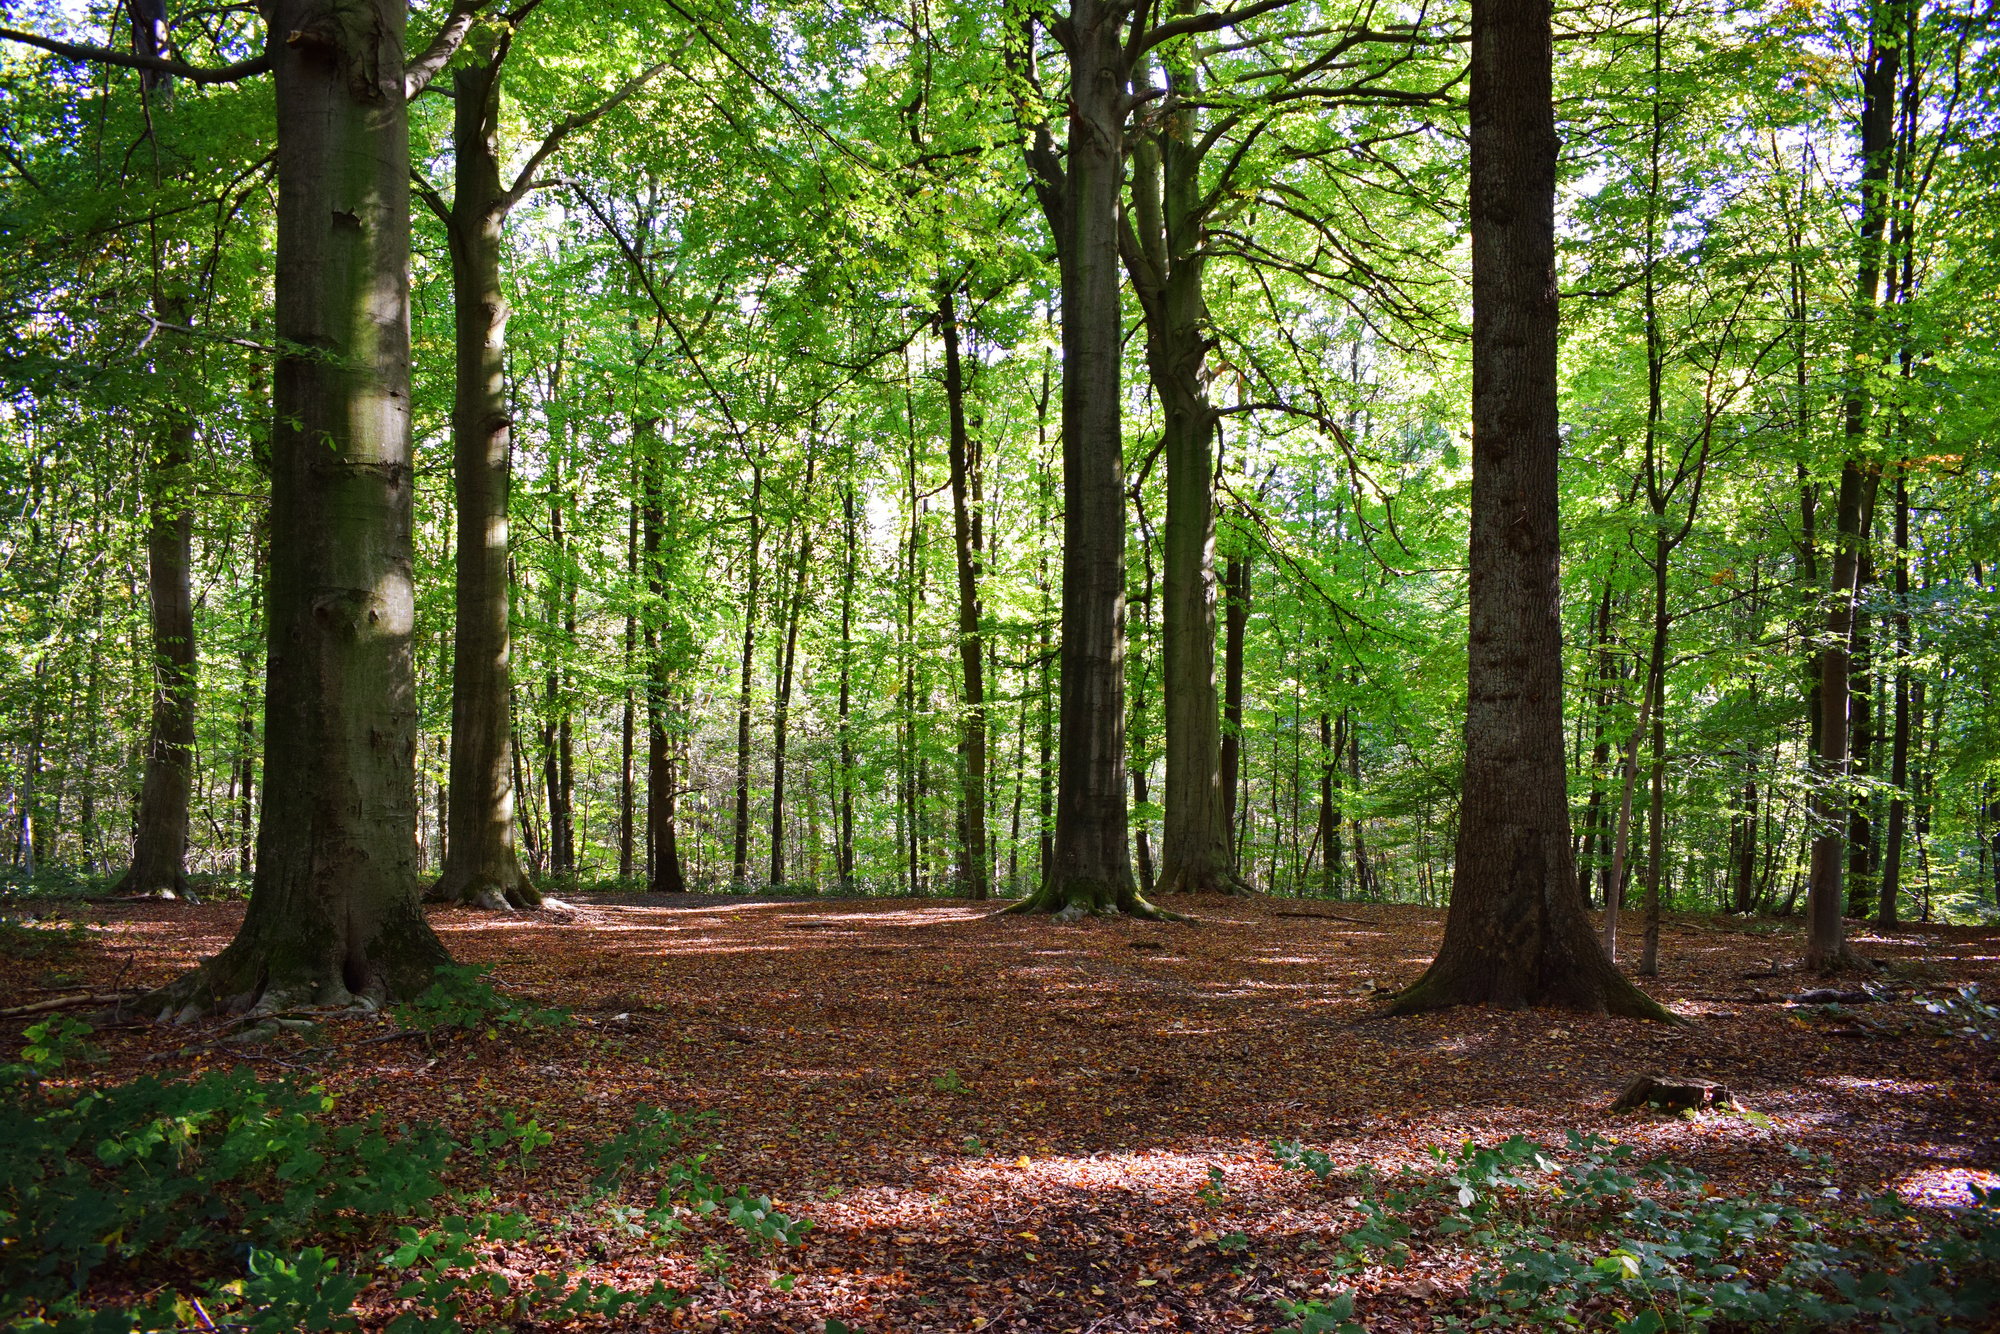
(854, 1049)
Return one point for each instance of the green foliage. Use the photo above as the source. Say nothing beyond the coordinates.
(463, 1000)
(949, 1082)
(1600, 1239)
(222, 1170)
(1965, 1013)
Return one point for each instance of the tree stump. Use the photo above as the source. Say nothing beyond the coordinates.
(1666, 1093)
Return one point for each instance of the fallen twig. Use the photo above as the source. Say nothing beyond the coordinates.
(65, 1002)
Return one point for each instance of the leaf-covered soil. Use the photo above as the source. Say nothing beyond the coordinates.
(1005, 1124)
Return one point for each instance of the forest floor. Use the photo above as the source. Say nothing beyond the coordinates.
(1000, 1123)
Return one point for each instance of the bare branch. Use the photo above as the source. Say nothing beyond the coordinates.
(104, 55)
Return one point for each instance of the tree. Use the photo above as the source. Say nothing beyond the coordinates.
(334, 913)
(482, 866)
(1516, 933)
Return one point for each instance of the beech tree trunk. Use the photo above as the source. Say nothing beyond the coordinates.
(1516, 933)
(1164, 253)
(482, 865)
(781, 707)
(1899, 743)
(664, 873)
(334, 911)
(160, 833)
(1090, 870)
(974, 877)
(739, 856)
(1826, 943)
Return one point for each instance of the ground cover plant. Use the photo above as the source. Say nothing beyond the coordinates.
(934, 1120)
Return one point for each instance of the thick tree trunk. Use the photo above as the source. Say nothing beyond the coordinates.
(1090, 867)
(160, 833)
(1163, 252)
(481, 865)
(1516, 933)
(334, 912)
(974, 878)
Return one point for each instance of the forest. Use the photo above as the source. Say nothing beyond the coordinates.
(581, 581)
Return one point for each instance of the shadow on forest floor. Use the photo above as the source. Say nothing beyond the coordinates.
(1006, 1124)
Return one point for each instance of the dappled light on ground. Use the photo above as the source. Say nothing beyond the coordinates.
(1002, 1123)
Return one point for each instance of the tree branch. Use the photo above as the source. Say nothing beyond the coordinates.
(525, 181)
(418, 74)
(104, 55)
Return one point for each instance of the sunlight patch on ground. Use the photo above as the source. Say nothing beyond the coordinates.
(1945, 1187)
(1856, 1082)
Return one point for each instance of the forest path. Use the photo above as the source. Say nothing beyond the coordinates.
(1003, 1119)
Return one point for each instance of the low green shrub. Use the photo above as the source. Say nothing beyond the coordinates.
(1591, 1237)
(224, 1172)
(462, 999)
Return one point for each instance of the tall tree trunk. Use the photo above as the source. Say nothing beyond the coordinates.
(664, 873)
(853, 539)
(557, 758)
(482, 865)
(1516, 933)
(782, 706)
(628, 725)
(974, 877)
(739, 856)
(333, 910)
(1826, 944)
(1163, 243)
(1899, 744)
(160, 834)
(1090, 868)
(1235, 622)
(1861, 742)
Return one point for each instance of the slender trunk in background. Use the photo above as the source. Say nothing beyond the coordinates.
(975, 881)
(853, 539)
(1591, 849)
(1826, 944)
(160, 834)
(1656, 832)
(1614, 889)
(1141, 672)
(557, 766)
(1329, 813)
(1364, 872)
(1861, 740)
(334, 910)
(1899, 744)
(782, 706)
(1516, 933)
(739, 856)
(1235, 620)
(664, 873)
(627, 809)
(247, 749)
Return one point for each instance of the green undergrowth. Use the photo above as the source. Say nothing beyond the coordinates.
(1593, 1237)
(232, 1202)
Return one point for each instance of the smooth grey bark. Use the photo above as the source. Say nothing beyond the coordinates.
(1516, 933)
(482, 865)
(974, 875)
(334, 910)
(1164, 252)
(1090, 865)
